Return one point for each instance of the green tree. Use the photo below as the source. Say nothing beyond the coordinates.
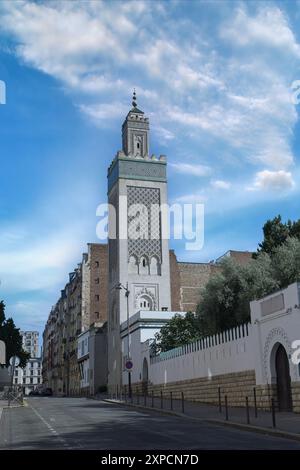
(276, 233)
(286, 262)
(225, 301)
(12, 338)
(178, 331)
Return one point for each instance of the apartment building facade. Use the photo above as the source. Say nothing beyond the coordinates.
(81, 305)
(30, 342)
(29, 377)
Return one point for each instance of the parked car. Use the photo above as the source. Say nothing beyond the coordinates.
(33, 393)
(46, 392)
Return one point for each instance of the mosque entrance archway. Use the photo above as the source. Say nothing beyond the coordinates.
(283, 379)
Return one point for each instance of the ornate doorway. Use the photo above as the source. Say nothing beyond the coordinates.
(283, 379)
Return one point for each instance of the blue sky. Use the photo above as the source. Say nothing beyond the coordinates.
(215, 79)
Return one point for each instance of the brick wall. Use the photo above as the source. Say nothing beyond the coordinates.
(187, 281)
(98, 259)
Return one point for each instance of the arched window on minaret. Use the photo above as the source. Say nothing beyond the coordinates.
(145, 303)
(154, 266)
(144, 265)
(133, 267)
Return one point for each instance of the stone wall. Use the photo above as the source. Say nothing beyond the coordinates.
(296, 396)
(206, 390)
(237, 386)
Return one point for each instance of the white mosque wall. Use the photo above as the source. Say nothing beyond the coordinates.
(226, 353)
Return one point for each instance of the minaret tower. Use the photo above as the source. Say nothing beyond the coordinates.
(138, 254)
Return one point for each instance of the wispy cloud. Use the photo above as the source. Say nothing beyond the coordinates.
(191, 169)
(220, 184)
(269, 27)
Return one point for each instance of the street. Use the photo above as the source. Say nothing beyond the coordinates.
(78, 423)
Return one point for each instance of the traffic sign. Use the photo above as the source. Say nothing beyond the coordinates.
(14, 361)
(129, 365)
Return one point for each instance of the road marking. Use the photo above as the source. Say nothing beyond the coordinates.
(51, 429)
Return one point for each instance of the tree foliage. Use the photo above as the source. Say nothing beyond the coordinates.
(177, 332)
(12, 338)
(276, 233)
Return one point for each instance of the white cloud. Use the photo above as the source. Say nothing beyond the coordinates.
(268, 27)
(243, 101)
(220, 184)
(103, 112)
(191, 169)
(32, 265)
(273, 181)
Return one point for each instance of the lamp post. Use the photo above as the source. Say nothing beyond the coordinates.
(127, 292)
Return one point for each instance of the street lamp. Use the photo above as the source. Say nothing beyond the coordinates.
(127, 292)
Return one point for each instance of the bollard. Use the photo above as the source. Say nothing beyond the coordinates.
(247, 411)
(161, 400)
(220, 401)
(226, 408)
(171, 400)
(182, 402)
(152, 399)
(255, 402)
(273, 413)
(131, 397)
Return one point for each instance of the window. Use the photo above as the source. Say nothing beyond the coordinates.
(97, 280)
(138, 145)
(97, 315)
(97, 264)
(16, 372)
(31, 372)
(24, 381)
(145, 303)
(16, 381)
(31, 380)
(39, 380)
(97, 297)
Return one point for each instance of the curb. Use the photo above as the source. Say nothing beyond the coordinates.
(232, 424)
(149, 408)
(258, 429)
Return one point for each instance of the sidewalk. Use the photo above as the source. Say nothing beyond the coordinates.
(13, 404)
(286, 422)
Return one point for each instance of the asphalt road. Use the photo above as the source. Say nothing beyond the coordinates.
(78, 423)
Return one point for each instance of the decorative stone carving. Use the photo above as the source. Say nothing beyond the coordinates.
(146, 293)
(279, 335)
(150, 246)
